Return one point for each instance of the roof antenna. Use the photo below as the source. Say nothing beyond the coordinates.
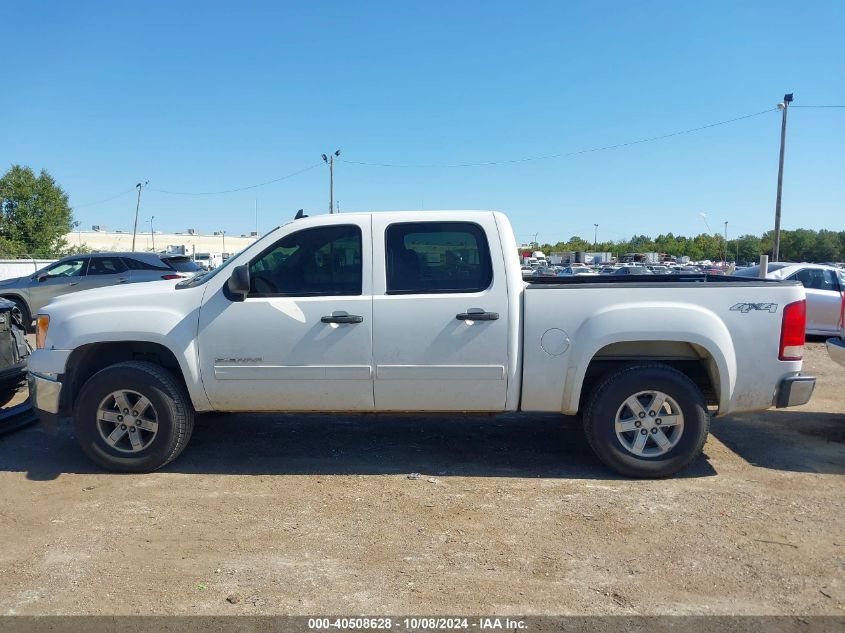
(299, 215)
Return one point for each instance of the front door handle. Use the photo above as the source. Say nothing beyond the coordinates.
(342, 318)
(122, 280)
(476, 314)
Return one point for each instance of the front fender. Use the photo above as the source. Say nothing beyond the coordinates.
(168, 326)
(651, 322)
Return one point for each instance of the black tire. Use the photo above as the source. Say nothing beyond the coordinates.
(171, 405)
(609, 396)
(26, 317)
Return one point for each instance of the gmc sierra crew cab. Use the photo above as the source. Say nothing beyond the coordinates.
(416, 312)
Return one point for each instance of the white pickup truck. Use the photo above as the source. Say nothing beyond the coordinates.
(416, 312)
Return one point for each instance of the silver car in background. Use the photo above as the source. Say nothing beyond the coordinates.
(825, 288)
(84, 272)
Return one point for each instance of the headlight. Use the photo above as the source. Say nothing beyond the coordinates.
(42, 322)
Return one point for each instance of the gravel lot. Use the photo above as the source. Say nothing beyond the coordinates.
(510, 515)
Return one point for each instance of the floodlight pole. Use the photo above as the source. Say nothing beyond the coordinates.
(139, 186)
(329, 160)
(787, 99)
(595, 236)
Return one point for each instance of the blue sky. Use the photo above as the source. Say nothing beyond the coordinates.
(198, 97)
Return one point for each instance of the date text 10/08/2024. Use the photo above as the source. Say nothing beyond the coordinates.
(417, 623)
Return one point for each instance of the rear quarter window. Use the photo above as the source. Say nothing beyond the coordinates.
(133, 263)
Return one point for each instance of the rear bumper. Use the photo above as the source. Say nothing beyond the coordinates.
(794, 391)
(836, 349)
(44, 394)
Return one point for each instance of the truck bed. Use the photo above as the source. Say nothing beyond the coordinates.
(729, 326)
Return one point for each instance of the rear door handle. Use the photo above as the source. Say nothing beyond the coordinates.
(123, 280)
(342, 318)
(476, 314)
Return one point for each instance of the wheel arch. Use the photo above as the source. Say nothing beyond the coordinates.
(86, 360)
(689, 338)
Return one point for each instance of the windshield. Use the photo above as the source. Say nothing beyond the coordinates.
(754, 271)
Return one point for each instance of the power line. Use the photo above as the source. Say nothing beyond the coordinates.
(821, 106)
(215, 193)
(568, 154)
(89, 204)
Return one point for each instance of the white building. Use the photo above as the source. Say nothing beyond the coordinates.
(191, 241)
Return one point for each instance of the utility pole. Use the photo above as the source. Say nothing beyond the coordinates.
(139, 186)
(595, 236)
(784, 107)
(256, 217)
(152, 232)
(329, 160)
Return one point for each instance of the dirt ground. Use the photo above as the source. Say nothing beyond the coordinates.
(283, 514)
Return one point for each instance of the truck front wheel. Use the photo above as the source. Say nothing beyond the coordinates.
(133, 417)
(646, 420)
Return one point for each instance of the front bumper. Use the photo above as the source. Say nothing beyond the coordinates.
(44, 394)
(794, 391)
(836, 349)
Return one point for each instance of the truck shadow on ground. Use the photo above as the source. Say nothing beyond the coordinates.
(513, 445)
(797, 441)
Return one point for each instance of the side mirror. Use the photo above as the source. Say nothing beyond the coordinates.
(42, 278)
(238, 284)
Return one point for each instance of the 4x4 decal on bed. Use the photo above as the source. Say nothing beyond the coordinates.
(745, 308)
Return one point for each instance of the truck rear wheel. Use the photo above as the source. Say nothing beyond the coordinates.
(133, 417)
(646, 420)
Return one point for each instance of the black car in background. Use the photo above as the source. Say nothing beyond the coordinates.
(14, 351)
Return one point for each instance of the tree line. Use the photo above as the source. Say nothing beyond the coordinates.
(800, 245)
(35, 217)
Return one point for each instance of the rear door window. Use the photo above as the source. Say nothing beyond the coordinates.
(437, 257)
(106, 266)
(815, 278)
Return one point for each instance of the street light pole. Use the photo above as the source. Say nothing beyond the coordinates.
(139, 186)
(725, 259)
(152, 232)
(330, 161)
(784, 107)
(595, 236)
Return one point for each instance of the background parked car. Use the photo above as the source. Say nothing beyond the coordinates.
(83, 272)
(825, 288)
(14, 351)
(544, 272)
(632, 270)
(576, 270)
